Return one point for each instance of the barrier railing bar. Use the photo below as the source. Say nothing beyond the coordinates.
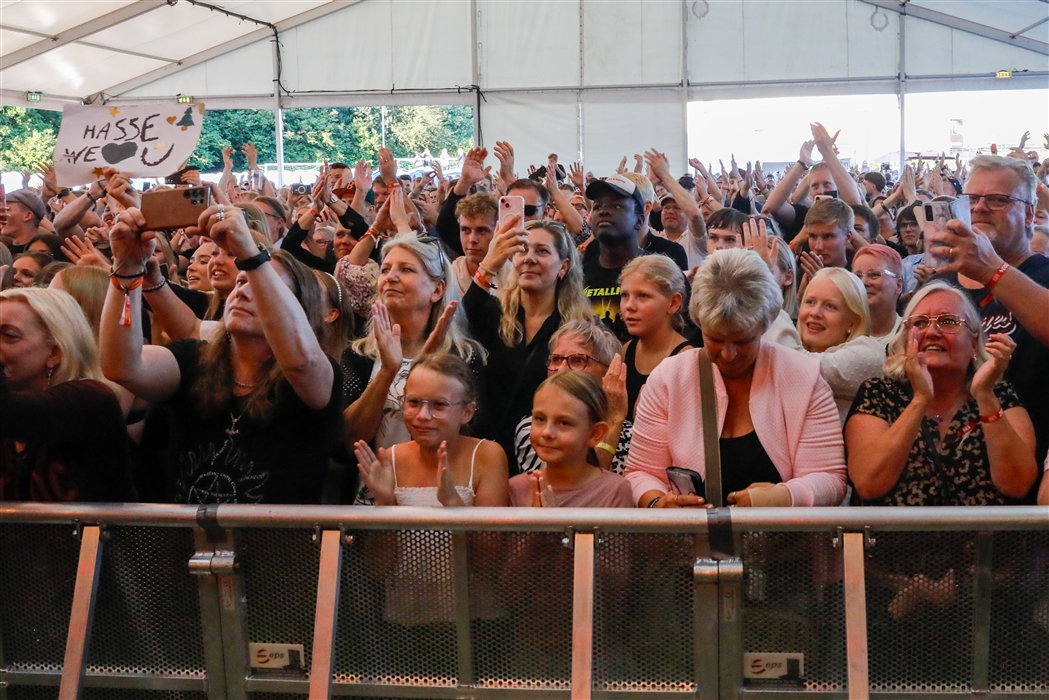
(234, 617)
(982, 612)
(949, 518)
(324, 627)
(210, 620)
(856, 616)
(583, 616)
(129, 681)
(730, 625)
(82, 614)
(705, 620)
(461, 591)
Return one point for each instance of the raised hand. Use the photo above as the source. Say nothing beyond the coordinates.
(658, 165)
(638, 162)
(622, 166)
(398, 214)
(756, 238)
(446, 492)
(251, 154)
(805, 153)
(1023, 139)
(435, 341)
(47, 172)
(362, 176)
(377, 473)
(824, 141)
(227, 158)
(1000, 347)
(614, 384)
(505, 153)
(917, 370)
(228, 229)
(575, 175)
(473, 170)
(510, 238)
(387, 338)
(84, 252)
(698, 166)
(438, 172)
(130, 244)
(387, 165)
(810, 263)
(119, 189)
(26, 176)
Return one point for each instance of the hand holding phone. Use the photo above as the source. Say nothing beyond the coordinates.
(686, 482)
(510, 205)
(933, 218)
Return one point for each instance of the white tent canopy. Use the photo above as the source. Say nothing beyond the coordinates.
(596, 78)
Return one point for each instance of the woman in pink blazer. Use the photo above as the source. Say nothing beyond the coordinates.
(781, 441)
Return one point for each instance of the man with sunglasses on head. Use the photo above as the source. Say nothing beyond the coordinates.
(994, 263)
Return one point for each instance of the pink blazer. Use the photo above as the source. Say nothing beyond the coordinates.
(792, 408)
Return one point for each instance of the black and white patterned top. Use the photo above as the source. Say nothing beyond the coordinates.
(965, 479)
(528, 460)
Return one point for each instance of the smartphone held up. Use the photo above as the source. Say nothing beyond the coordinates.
(933, 218)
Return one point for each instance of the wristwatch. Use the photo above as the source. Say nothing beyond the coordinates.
(253, 263)
(333, 199)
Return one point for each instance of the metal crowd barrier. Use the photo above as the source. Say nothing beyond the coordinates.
(114, 602)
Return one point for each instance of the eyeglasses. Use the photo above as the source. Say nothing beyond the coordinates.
(440, 250)
(438, 407)
(994, 202)
(874, 275)
(530, 209)
(947, 323)
(576, 362)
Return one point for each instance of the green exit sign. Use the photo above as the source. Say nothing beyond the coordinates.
(32, 97)
(185, 99)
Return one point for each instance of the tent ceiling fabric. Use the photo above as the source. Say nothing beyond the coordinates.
(589, 74)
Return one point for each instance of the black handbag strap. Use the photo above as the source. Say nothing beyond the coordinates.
(711, 438)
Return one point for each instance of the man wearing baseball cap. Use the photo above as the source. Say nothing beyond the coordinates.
(617, 217)
(25, 210)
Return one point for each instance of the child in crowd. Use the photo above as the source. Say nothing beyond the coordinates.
(439, 466)
(567, 424)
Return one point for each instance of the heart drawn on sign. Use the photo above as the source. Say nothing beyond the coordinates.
(113, 153)
(171, 120)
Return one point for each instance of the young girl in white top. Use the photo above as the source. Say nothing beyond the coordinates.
(439, 466)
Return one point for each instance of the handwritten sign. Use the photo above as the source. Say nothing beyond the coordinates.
(143, 141)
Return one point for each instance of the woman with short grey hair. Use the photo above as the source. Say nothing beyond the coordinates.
(780, 438)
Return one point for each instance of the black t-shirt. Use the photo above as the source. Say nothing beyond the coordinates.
(601, 285)
(790, 231)
(1028, 369)
(66, 443)
(223, 459)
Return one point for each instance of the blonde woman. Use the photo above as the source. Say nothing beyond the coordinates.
(834, 323)
(544, 291)
(652, 297)
(62, 435)
(414, 316)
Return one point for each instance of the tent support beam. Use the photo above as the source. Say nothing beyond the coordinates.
(52, 37)
(905, 8)
(140, 7)
(233, 45)
(278, 116)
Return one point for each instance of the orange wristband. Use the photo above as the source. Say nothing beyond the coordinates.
(125, 313)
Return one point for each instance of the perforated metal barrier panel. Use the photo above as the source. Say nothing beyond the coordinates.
(475, 612)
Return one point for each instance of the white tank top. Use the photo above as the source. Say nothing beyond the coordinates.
(427, 495)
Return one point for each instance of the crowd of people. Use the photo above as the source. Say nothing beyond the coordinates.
(387, 340)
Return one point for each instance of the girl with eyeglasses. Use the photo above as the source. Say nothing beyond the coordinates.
(544, 291)
(941, 428)
(439, 466)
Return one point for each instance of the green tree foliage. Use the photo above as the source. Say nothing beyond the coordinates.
(27, 137)
(348, 134)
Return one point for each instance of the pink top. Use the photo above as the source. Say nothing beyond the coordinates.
(792, 408)
(608, 491)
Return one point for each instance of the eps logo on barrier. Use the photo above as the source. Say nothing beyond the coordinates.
(786, 667)
(285, 656)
